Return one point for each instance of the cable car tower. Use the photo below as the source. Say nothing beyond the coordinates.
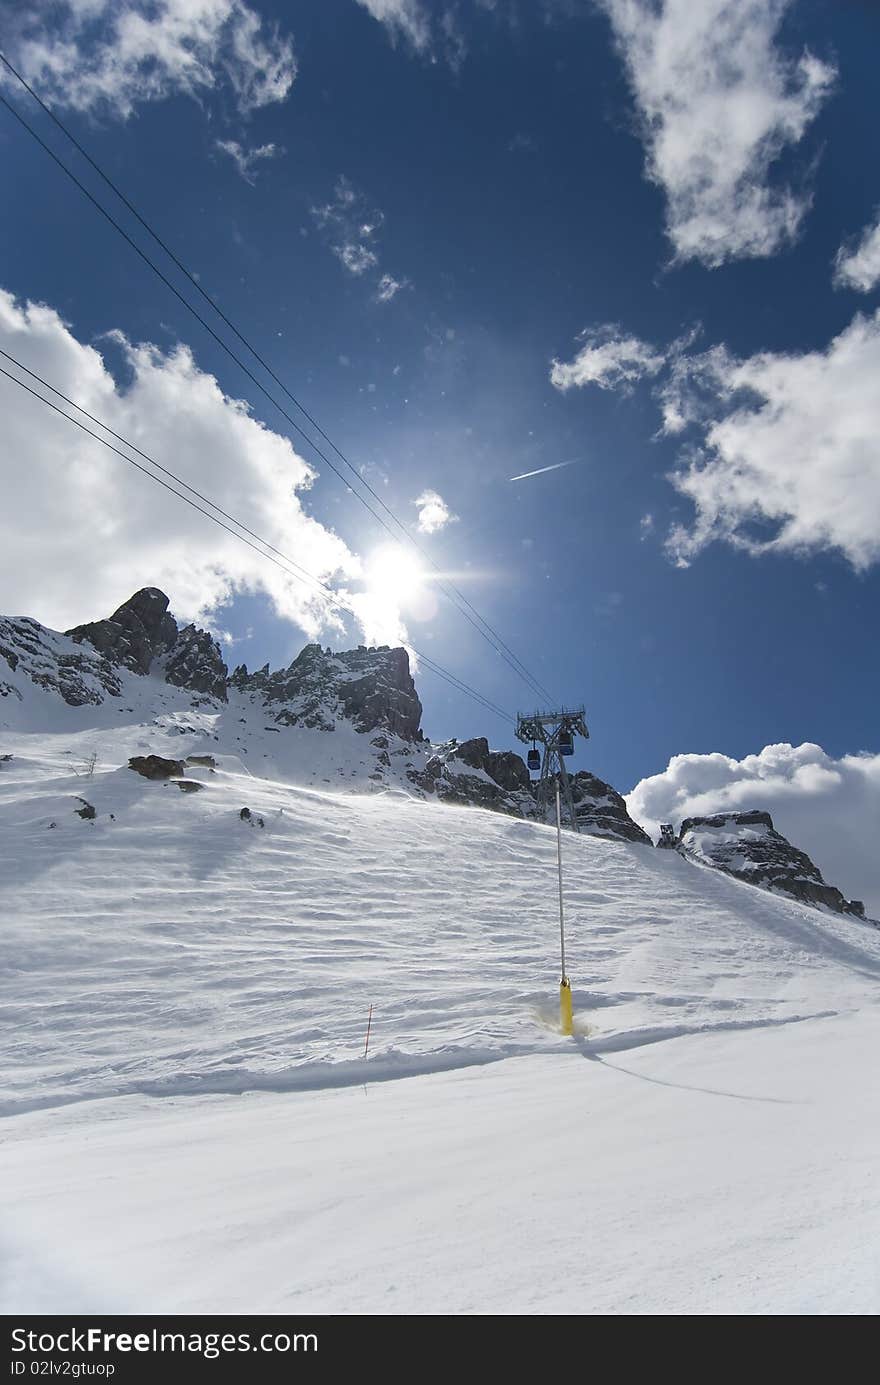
(555, 733)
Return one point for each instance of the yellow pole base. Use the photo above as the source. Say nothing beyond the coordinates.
(565, 1014)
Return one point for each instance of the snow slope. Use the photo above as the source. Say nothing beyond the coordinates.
(193, 989)
(714, 1174)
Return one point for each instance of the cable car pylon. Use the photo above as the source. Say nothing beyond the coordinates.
(554, 732)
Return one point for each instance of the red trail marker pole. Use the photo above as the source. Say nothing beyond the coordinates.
(369, 1026)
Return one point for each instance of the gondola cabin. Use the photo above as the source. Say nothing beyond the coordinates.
(566, 743)
(534, 760)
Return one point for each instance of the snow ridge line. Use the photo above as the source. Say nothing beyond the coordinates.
(394, 1066)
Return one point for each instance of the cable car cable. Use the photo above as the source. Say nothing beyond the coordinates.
(281, 560)
(459, 600)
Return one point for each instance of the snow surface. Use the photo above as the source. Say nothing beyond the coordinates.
(190, 1123)
(728, 1173)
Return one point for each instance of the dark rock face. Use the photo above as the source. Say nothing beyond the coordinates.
(509, 770)
(141, 631)
(137, 633)
(503, 783)
(195, 662)
(379, 691)
(747, 846)
(474, 752)
(86, 665)
(48, 660)
(504, 766)
(156, 767)
(601, 810)
(498, 779)
(373, 688)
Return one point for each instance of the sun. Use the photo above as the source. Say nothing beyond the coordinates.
(397, 588)
(392, 574)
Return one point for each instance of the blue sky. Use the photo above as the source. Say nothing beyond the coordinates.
(524, 177)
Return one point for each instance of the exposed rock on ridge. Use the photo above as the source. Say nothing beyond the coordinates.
(141, 631)
(373, 688)
(602, 811)
(368, 690)
(88, 663)
(471, 773)
(195, 662)
(54, 663)
(747, 846)
(137, 633)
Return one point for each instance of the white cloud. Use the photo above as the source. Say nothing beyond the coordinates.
(351, 225)
(356, 257)
(827, 807)
(388, 288)
(408, 19)
(428, 28)
(245, 159)
(113, 55)
(80, 530)
(858, 267)
(790, 446)
(609, 359)
(434, 513)
(718, 102)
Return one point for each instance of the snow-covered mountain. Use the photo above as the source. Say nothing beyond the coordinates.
(190, 1121)
(350, 719)
(748, 846)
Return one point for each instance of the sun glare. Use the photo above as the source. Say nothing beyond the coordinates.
(393, 573)
(396, 588)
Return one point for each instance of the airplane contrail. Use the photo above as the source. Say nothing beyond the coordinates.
(540, 472)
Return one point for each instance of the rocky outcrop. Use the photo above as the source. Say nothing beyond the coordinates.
(747, 846)
(156, 766)
(89, 662)
(601, 810)
(372, 688)
(505, 767)
(377, 690)
(137, 632)
(56, 664)
(471, 773)
(141, 631)
(195, 662)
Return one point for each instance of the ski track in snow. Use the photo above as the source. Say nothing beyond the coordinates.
(177, 950)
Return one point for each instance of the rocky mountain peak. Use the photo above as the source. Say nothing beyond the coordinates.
(141, 631)
(373, 688)
(602, 811)
(137, 632)
(747, 846)
(194, 661)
